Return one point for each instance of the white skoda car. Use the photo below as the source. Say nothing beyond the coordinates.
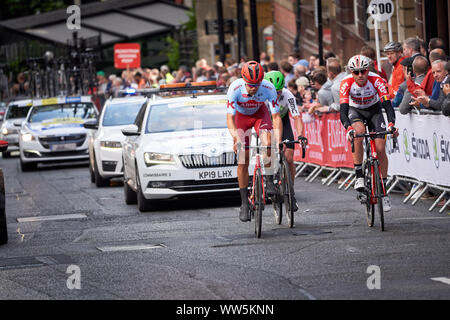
(105, 143)
(179, 147)
(53, 131)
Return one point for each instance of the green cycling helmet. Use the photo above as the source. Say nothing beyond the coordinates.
(277, 79)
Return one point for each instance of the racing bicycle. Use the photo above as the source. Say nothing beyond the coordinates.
(283, 182)
(375, 189)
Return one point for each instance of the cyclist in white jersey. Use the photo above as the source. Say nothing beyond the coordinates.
(287, 104)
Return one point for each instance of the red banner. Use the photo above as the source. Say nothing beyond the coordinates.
(327, 144)
(127, 55)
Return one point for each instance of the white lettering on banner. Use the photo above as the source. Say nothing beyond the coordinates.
(316, 155)
(336, 135)
(313, 133)
(424, 148)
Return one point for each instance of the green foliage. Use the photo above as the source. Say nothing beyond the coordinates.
(19, 8)
(173, 52)
(191, 24)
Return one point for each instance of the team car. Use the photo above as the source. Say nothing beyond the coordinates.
(179, 146)
(53, 131)
(16, 112)
(105, 143)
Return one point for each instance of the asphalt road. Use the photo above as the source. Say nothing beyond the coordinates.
(198, 249)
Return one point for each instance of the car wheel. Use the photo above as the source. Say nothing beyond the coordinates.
(28, 166)
(3, 228)
(5, 155)
(143, 204)
(99, 180)
(130, 195)
(91, 172)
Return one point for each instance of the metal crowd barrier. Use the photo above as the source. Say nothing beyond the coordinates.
(416, 191)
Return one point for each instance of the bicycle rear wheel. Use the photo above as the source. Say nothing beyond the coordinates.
(287, 193)
(379, 193)
(370, 208)
(258, 202)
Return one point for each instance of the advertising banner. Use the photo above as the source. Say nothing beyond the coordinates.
(423, 150)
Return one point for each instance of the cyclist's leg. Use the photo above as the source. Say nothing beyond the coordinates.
(357, 118)
(288, 134)
(263, 127)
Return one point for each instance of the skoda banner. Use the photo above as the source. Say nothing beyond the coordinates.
(423, 150)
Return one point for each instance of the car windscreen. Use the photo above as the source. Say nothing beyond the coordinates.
(121, 114)
(180, 117)
(16, 112)
(62, 111)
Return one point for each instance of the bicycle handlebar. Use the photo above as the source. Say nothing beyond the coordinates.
(373, 135)
(302, 140)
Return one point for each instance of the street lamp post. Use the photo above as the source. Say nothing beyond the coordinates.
(255, 37)
(220, 30)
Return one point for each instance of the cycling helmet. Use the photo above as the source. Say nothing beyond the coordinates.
(358, 62)
(393, 46)
(277, 79)
(252, 72)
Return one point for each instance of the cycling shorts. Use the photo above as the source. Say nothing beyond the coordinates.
(372, 116)
(287, 132)
(260, 120)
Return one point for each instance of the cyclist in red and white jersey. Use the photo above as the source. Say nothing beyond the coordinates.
(362, 96)
(246, 109)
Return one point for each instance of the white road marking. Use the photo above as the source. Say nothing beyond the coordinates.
(131, 247)
(422, 218)
(52, 218)
(442, 279)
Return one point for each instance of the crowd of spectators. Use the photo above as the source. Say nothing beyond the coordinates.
(418, 78)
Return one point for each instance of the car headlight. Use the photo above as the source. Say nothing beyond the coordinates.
(152, 158)
(5, 131)
(111, 144)
(26, 137)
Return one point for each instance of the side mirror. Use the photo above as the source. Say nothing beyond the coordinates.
(91, 124)
(17, 123)
(130, 131)
(3, 145)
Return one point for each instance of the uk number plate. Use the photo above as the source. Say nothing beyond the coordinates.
(64, 147)
(210, 174)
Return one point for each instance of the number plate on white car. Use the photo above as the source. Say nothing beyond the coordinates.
(222, 173)
(63, 147)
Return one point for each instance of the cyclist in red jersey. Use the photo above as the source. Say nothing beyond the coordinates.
(362, 96)
(246, 109)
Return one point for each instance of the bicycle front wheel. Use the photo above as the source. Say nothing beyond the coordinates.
(379, 193)
(370, 208)
(258, 202)
(287, 192)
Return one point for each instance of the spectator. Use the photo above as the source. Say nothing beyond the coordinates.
(420, 68)
(329, 55)
(394, 52)
(287, 70)
(300, 71)
(292, 87)
(262, 58)
(272, 66)
(116, 86)
(411, 47)
(436, 43)
(139, 79)
(372, 54)
(210, 75)
(323, 87)
(294, 58)
(336, 75)
(423, 48)
(314, 62)
(200, 75)
(166, 75)
(182, 74)
(446, 90)
(440, 75)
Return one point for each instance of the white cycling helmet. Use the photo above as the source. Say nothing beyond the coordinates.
(358, 62)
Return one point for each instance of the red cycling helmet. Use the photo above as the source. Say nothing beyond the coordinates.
(252, 72)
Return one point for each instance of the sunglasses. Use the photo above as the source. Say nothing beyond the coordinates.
(356, 73)
(253, 85)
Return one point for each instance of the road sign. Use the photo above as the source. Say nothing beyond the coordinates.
(127, 55)
(381, 10)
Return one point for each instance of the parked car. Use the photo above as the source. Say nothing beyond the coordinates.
(105, 143)
(53, 131)
(3, 227)
(2, 110)
(16, 112)
(178, 147)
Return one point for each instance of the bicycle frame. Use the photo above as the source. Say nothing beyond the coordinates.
(371, 156)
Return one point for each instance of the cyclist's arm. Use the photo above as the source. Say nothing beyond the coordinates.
(231, 123)
(345, 120)
(277, 126)
(299, 126)
(387, 105)
(293, 110)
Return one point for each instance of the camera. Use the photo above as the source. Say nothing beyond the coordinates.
(410, 71)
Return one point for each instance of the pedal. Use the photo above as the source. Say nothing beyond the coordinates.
(362, 197)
